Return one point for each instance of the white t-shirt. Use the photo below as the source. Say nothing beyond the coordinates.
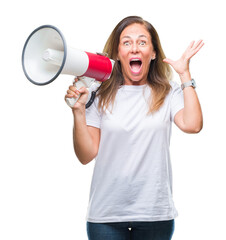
(132, 178)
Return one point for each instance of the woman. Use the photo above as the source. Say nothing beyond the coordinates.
(127, 130)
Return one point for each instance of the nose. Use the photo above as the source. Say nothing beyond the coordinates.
(134, 48)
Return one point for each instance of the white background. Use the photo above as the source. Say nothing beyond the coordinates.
(44, 189)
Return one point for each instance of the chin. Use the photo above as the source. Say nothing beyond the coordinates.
(139, 81)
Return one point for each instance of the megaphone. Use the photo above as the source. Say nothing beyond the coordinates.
(46, 55)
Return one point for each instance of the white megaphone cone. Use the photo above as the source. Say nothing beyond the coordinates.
(46, 55)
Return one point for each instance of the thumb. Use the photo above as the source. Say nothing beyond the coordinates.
(169, 61)
(83, 90)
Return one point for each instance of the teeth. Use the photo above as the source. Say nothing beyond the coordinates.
(133, 60)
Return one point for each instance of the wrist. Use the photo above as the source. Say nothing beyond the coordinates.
(77, 111)
(185, 77)
(188, 84)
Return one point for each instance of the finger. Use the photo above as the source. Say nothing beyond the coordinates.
(75, 80)
(169, 61)
(198, 46)
(201, 44)
(187, 54)
(191, 45)
(72, 93)
(73, 88)
(83, 90)
(69, 96)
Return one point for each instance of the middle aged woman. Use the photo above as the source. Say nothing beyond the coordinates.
(127, 130)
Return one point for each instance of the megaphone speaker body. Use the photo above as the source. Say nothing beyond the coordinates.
(36, 69)
(46, 55)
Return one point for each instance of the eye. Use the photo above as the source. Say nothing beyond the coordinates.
(142, 43)
(126, 43)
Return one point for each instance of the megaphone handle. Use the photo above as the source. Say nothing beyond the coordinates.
(71, 101)
(82, 82)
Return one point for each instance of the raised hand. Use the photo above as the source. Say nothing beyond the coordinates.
(181, 66)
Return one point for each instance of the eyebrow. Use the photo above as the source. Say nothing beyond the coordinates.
(140, 36)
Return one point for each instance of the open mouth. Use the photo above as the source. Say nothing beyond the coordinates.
(135, 65)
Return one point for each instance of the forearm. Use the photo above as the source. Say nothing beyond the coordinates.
(192, 113)
(83, 142)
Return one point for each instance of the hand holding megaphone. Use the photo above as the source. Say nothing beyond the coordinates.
(46, 55)
(77, 85)
(75, 93)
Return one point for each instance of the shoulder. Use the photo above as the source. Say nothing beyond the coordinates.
(174, 85)
(175, 88)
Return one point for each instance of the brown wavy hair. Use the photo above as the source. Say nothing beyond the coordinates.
(158, 77)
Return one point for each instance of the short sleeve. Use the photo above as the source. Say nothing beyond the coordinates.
(93, 116)
(177, 99)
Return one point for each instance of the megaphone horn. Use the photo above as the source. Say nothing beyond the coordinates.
(46, 55)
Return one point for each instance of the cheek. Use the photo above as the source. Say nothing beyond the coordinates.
(147, 62)
(148, 58)
(121, 54)
(122, 58)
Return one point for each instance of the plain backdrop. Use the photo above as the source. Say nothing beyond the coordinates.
(44, 189)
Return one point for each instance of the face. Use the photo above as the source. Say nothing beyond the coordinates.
(135, 52)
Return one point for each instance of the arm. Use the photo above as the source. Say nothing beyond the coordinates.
(189, 119)
(86, 139)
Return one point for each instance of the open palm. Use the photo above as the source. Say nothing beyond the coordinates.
(181, 66)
